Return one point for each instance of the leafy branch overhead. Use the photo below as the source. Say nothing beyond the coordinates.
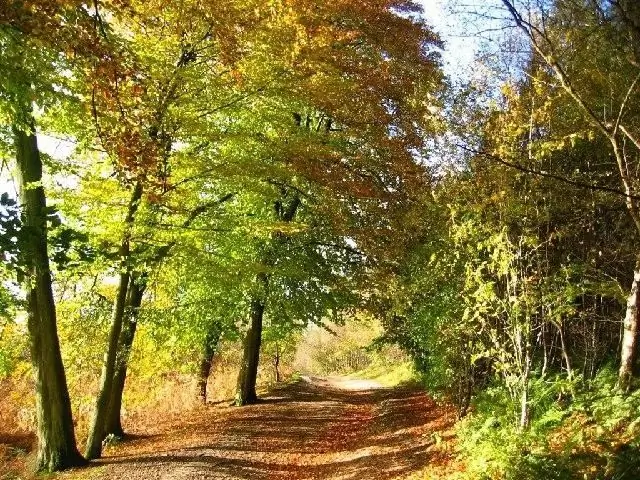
(204, 197)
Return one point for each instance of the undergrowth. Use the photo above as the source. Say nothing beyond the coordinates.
(584, 431)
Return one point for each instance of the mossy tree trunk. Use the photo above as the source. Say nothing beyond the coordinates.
(97, 428)
(113, 422)
(57, 448)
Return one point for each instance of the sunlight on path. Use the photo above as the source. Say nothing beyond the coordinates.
(334, 428)
(344, 383)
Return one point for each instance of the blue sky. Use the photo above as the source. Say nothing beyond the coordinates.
(460, 47)
(470, 29)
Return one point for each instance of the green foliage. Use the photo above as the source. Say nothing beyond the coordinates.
(593, 434)
(13, 349)
(10, 226)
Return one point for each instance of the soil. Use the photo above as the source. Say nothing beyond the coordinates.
(316, 428)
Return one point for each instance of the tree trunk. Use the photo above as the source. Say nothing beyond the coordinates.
(96, 431)
(56, 437)
(524, 395)
(113, 422)
(276, 364)
(565, 352)
(630, 334)
(210, 348)
(246, 391)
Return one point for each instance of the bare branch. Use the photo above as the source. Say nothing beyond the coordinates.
(541, 173)
(623, 107)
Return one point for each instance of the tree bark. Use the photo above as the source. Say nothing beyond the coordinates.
(565, 352)
(57, 448)
(113, 422)
(276, 364)
(524, 394)
(630, 334)
(246, 391)
(209, 350)
(96, 431)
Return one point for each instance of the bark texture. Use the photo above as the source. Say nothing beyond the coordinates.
(97, 428)
(57, 448)
(630, 334)
(246, 393)
(113, 422)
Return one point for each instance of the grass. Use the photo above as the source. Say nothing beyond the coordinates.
(389, 376)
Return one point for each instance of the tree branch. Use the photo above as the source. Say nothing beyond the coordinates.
(541, 173)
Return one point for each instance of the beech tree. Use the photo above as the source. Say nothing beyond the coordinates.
(32, 64)
(351, 139)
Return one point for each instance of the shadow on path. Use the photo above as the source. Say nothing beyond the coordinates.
(311, 429)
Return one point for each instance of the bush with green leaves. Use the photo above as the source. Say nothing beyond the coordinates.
(580, 431)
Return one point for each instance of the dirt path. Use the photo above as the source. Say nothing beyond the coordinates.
(314, 429)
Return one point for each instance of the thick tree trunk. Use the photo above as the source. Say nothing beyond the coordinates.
(56, 438)
(113, 422)
(210, 348)
(246, 391)
(630, 334)
(97, 428)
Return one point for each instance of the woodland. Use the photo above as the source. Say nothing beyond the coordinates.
(203, 199)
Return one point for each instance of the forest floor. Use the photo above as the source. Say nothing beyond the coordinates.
(315, 428)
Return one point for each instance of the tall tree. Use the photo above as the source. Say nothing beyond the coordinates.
(140, 108)
(56, 440)
(352, 144)
(285, 212)
(31, 55)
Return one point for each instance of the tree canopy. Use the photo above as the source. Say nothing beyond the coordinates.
(249, 171)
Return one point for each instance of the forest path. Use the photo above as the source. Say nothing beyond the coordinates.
(316, 428)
